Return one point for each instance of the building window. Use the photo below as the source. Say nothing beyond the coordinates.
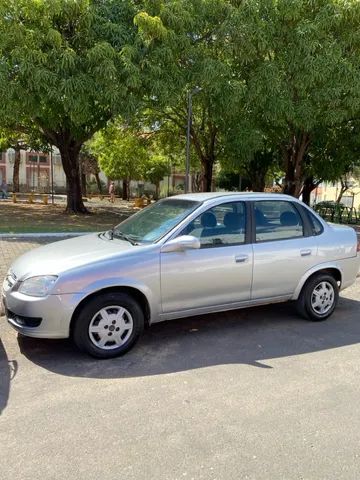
(37, 158)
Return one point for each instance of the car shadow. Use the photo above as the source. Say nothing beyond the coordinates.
(8, 371)
(252, 336)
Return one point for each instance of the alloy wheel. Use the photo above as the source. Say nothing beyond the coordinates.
(111, 327)
(322, 298)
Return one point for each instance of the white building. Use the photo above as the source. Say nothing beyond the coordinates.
(34, 171)
(37, 170)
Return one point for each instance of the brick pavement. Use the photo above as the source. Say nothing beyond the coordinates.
(11, 248)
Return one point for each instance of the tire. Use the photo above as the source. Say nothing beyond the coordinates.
(108, 325)
(318, 298)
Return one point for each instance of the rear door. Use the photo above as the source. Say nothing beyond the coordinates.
(284, 248)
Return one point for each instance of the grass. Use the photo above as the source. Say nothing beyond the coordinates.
(38, 218)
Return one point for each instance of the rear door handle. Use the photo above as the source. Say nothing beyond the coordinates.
(241, 258)
(305, 253)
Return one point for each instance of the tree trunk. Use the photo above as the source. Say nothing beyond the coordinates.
(306, 193)
(309, 186)
(207, 165)
(125, 189)
(196, 182)
(344, 187)
(83, 183)
(257, 179)
(258, 184)
(16, 183)
(69, 151)
(157, 190)
(258, 168)
(98, 182)
(294, 162)
(207, 157)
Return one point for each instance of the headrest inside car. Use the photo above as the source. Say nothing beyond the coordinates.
(289, 219)
(208, 220)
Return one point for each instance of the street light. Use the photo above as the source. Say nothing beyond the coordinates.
(52, 175)
(192, 92)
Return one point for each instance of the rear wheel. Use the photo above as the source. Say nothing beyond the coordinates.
(108, 325)
(319, 297)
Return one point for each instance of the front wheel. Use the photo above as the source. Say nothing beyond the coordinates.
(108, 325)
(318, 297)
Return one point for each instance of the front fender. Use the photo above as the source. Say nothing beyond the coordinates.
(104, 284)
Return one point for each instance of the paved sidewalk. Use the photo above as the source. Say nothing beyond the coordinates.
(11, 248)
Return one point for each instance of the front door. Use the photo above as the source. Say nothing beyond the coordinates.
(220, 272)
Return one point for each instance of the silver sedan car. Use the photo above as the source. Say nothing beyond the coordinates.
(182, 256)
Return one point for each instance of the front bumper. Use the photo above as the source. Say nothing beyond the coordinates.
(45, 317)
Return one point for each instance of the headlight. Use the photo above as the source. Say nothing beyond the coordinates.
(37, 286)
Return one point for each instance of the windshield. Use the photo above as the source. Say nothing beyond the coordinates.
(155, 221)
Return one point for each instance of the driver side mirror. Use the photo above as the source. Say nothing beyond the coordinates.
(182, 243)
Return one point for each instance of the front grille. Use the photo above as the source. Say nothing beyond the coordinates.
(31, 322)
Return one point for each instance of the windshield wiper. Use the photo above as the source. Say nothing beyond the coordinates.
(123, 236)
(110, 233)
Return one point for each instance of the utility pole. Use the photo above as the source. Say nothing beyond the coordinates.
(192, 92)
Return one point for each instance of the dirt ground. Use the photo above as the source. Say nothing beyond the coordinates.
(35, 218)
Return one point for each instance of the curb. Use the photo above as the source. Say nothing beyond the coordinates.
(43, 235)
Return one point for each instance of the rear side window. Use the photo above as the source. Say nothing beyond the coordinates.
(316, 226)
(277, 220)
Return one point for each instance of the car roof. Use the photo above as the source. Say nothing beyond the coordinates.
(205, 196)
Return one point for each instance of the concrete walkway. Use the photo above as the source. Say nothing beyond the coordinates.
(11, 248)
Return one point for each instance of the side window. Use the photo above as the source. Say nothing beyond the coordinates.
(219, 226)
(277, 220)
(316, 226)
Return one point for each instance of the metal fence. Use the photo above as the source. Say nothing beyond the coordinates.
(339, 214)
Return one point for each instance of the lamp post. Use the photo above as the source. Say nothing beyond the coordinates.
(192, 92)
(52, 175)
(168, 178)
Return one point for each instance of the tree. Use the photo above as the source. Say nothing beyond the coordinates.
(67, 67)
(301, 65)
(232, 181)
(13, 136)
(121, 153)
(185, 46)
(249, 152)
(90, 166)
(155, 169)
(284, 67)
(12, 140)
(334, 156)
(129, 154)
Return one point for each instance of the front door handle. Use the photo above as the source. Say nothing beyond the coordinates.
(241, 258)
(305, 253)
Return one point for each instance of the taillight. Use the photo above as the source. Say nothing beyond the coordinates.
(358, 246)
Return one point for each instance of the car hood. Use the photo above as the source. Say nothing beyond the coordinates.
(57, 257)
